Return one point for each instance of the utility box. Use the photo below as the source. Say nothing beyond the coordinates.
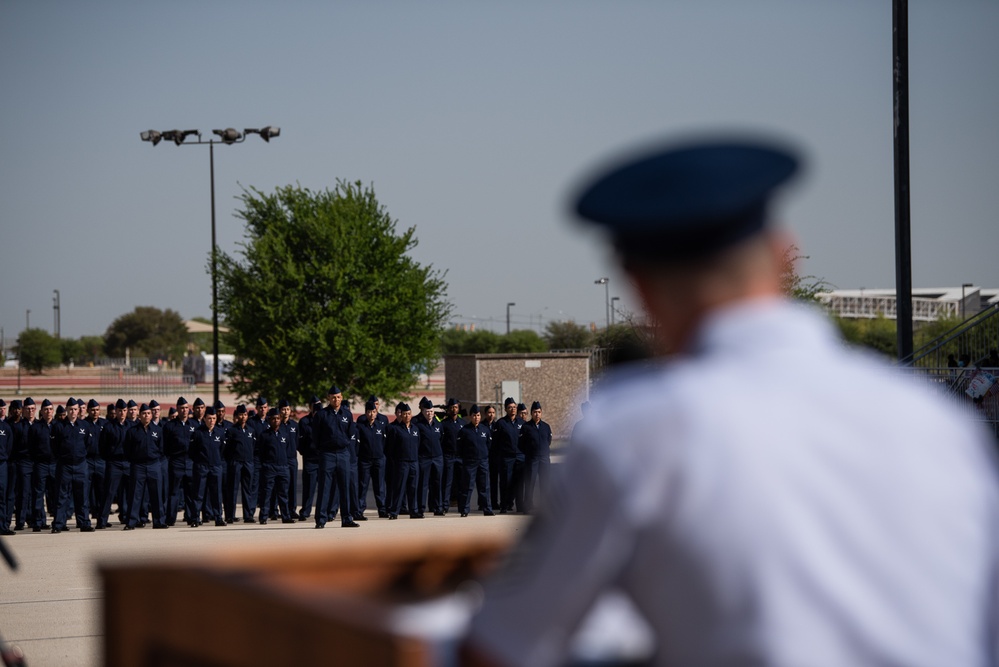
(560, 381)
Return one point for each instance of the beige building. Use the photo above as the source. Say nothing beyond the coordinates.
(561, 381)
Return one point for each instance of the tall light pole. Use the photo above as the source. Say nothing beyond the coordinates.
(606, 283)
(612, 309)
(964, 286)
(228, 137)
(56, 310)
(508, 306)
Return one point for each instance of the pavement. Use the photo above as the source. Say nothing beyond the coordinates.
(51, 605)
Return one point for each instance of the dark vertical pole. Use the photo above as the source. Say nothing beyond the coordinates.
(903, 245)
(215, 288)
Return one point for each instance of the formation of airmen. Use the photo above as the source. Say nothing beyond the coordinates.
(195, 463)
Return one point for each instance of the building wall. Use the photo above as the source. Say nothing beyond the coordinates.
(559, 381)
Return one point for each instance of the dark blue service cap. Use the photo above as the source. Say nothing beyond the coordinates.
(210, 411)
(283, 403)
(3, 403)
(403, 407)
(509, 401)
(153, 404)
(373, 398)
(261, 401)
(181, 401)
(315, 400)
(219, 405)
(369, 405)
(131, 404)
(120, 404)
(46, 403)
(273, 412)
(474, 410)
(689, 200)
(334, 390)
(521, 407)
(29, 401)
(71, 402)
(60, 410)
(452, 401)
(15, 404)
(198, 401)
(92, 403)
(240, 409)
(143, 408)
(536, 405)
(426, 403)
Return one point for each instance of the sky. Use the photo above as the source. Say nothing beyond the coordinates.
(475, 123)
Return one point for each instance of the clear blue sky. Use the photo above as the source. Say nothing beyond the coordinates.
(473, 121)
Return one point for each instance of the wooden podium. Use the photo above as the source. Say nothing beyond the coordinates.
(330, 605)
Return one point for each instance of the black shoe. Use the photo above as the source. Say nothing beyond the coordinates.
(295, 516)
(320, 525)
(7, 531)
(415, 516)
(251, 520)
(87, 529)
(464, 514)
(303, 517)
(64, 529)
(234, 520)
(350, 524)
(220, 523)
(263, 522)
(488, 513)
(45, 526)
(383, 515)
(287, 521)
(101, 526)
(393, 517)
(438, 513)
(55, 531)
(127, 527)
(21, 527)
(360, 518)
(160, 526)
(36, 529)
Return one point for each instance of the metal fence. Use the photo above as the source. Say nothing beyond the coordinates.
(134, 382)
(974, 390)
(977, 337)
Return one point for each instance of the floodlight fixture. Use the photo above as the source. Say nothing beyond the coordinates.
(265, 133)
(228, 135)
(151, 135)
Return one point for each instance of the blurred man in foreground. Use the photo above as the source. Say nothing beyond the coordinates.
(832, 515)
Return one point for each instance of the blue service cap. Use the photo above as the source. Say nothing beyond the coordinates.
(15, 404)
(283, 403)
(315, 400)
(131, 404)
(46, 403)
(240, 409)
(689, 200)
(474, 410)
(92, 403)
(29, 401)
(153, 404)
(144, 408)
(261, 401)
(452, 401)
(60, 410)
(509, 401)
(403, 407)
(521, 407)
(120, 404)
(210, 411)
(181, 401)
(273, 412)
(198, 402)
(536, 405)
(3, 403)
(219, 405)
(369, 405)
(71, 402)
(334, 390)
(426, 403)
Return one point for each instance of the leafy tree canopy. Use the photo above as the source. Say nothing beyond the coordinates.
(37, 349)
(325, 293)
(568, 336)
(147, 332)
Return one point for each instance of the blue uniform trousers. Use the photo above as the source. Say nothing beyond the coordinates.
(475, 474)
(431, 476)
(206, 487)
(43, 485)
(240, 478)
(535, 472)
(352, 506)
(116, 476)
(334, 478)
(274, 487)
(6, 506)
(74, 484)
(179, 489)
(96, 469)
(147, 478)
(406, 475)
(310, 478)
(451, 481)
(23, 508)
(371, 471)
(511, 483)
(255, 487)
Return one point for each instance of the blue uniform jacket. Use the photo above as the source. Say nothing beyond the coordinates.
(40, 442)
(240, 444)
(273, 446)
(449, 437)
(177, 436)
(371, 439)
(474, 442)
(506, 437)
(331, 431)
(72, 441)
(536, 441)
(403, 444)
(144, 445)
(112, 444)
(430, 437)
(206, 446)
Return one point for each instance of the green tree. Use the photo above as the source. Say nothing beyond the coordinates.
(69, 350)
(37, 349)
(625, 343)
(91, 349)
(523, 341)
(482, 341)
(567, 336)
(147, 332)
(325, 293)
(879, 334)
(794, 285)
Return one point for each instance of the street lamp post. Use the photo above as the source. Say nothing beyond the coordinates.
(613, 310)
(56, 309)
(228, 137)
(964, 286)
(508, 306)
(606, 283)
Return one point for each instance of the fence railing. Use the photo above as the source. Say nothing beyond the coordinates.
(974, 390)
(975, 337)
(130, 382)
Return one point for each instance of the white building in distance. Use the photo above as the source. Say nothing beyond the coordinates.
(928, 304)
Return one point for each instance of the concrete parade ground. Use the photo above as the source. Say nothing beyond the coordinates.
(51, 605)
